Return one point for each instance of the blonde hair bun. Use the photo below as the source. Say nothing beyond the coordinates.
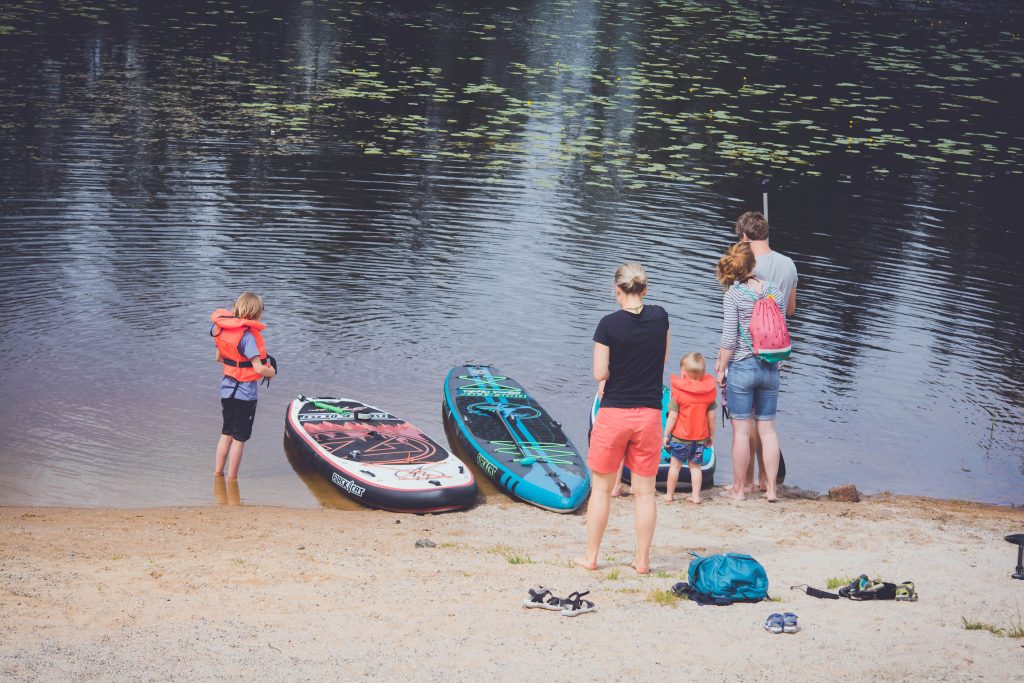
(631, 278)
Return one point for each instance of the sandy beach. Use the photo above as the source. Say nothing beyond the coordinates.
(258, 593)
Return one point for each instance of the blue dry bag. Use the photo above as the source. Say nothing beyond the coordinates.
(728, 578)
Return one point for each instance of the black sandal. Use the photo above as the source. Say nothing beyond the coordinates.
(575, 605)
(539, 598)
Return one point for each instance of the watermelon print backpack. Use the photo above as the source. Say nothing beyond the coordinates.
(769, 336)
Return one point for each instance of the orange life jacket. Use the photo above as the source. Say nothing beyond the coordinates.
(694, 397)
(227, 331)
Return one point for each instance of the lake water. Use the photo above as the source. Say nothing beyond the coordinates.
(414, 185)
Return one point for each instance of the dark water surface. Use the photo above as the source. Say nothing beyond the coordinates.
(413, 185)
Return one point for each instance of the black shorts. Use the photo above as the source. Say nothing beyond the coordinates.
(238, 417)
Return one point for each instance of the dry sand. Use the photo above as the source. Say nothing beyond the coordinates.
(256, 593)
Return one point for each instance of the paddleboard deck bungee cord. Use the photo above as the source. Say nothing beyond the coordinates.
(376, 458)
(707, 469)
(492, 420)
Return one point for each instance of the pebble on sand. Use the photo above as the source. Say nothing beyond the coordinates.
(846, 493)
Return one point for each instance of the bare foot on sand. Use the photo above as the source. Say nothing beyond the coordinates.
(696, 501)
(616, 491)
(585, 563)
(640, 569)
(668, 498)
(727, 492)
(771, 495)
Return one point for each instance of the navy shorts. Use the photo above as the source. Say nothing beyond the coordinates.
(238, 418)
(687, 452)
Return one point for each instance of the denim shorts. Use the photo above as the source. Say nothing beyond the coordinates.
(752, 389)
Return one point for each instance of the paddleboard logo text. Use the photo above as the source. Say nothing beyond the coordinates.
(494, 393)
(319, 417)
(347, 484)
(484, 388)
(487, 466)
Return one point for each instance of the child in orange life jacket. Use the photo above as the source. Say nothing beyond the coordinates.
(243, 354)
(690, 425)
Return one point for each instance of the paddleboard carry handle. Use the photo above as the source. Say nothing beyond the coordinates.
(324, 406)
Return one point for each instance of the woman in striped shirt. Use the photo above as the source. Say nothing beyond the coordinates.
(751, 385)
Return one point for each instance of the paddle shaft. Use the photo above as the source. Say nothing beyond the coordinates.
(526, 450)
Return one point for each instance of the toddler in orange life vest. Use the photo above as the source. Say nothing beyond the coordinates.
(243, 355)
(690, 425)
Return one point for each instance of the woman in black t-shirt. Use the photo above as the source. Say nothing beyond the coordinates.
(630, 350)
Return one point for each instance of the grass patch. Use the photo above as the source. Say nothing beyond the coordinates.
(663, 597)
(838, 582)
(613, 575)
(627, 590)
(511, 555)
(662, 574)
(981, 626)
(771, 599)
(1016, 628)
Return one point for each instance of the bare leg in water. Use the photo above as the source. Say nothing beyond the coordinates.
(228, 450)
(770, 445)
(221, 454)
(740, 459)
(756, 458)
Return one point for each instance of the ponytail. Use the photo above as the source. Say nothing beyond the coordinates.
(737, 264)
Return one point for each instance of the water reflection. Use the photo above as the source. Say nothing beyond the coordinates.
(226, 491)
(322, 490)
(413, 186)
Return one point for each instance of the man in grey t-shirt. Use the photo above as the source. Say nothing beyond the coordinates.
(777, 268)
(752, 227)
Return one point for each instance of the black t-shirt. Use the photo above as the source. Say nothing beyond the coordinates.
(637, 343)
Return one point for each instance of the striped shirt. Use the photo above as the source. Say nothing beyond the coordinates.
(737, 307)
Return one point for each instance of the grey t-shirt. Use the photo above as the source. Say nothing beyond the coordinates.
(780, 270)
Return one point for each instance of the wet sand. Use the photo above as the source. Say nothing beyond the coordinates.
(256, 593)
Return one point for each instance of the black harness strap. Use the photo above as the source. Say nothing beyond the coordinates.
(815, 592)
(237, 364)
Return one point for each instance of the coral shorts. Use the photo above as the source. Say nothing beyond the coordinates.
(633, 434)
